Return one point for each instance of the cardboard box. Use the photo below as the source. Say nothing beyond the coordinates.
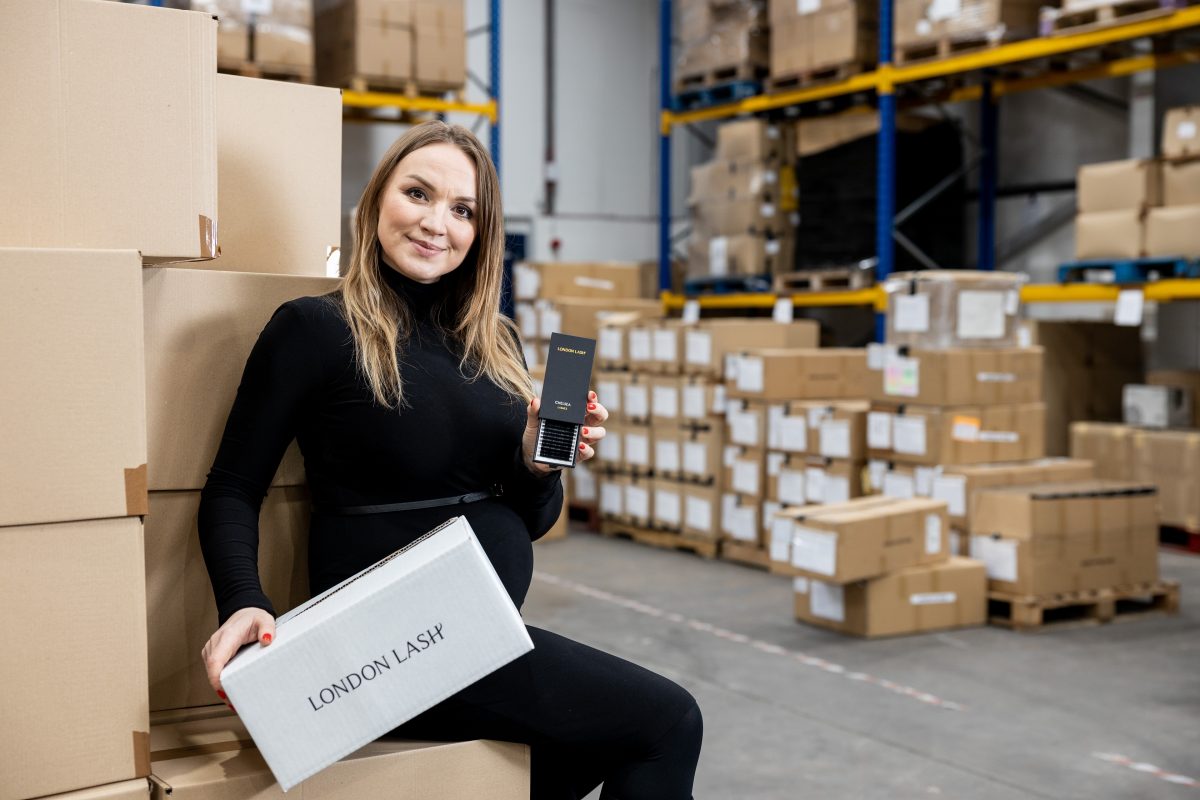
(952, 594)
(641, 346)
(1181, 183)
(666, 339)
(830, 429)
(440, 35)
(745, 471)
(125, 790)
(786, 478)
(779, 526)
(372, 41)
(738, 217)
(668, 505)
(740, 518)
(708, 342)
(832, 481)
(701, 511)
(583, 316)
(702, 400)
(868, 542)
(74, 595)
(233, 43)
(667, 458)
(1066, 537)
(279, 44)
(843, 34)
(1187, 379)
(741, 254)
(1158, 406)
(200, 326)
(957, 377)
(746, 422)
(753, 140)
(1181, 132)
(1134, 183)
(639, 448)
(72, 176)
(612, 345)
(298, 698)
(274, 217)
(958, 485)
(925, 22)
(797, 374)
(181, 614)
(1110, 234)
(208, 758)
(74, 418)
(941, 309)
(1108, 445)
(610, 391)
(720, 179)
(1173, 231)
(597, 279)
(701, 453)
(1171, 461)
(960, 434)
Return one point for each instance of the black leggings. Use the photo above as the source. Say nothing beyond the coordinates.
(589, 718)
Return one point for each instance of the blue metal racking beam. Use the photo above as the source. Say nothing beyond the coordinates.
(885, 165)
(494, 80)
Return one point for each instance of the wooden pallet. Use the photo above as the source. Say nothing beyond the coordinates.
(1102, 14)
(728, 74)
(664, 540)
(752, 555)
(822, 280)
(272, 72)
(407, 87)
(948, 46)
(1096, 607)
(841, 72)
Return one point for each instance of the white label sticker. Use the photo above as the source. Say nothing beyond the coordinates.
(262, 7)
(781, 539)
(924, 480)
(666, 456)
(767, 210)
(750, 374)
(775, 463)
(876, 356)
(772, 246)
(526, 282)
(800, 585)
(718, 256)
(665, 346)
(583, 483)
(594, 283)
(791, 487)
(996, 377)
(902, 376)
(550, 321)
(610, 344)
(769, 507)
(718, 404)
(999, 437)
(1024, 336)
(793, 434)
(742, 524)
(899, 486)
(667, 506)
(691, 312)
(814, 484)
(774, 434)
(1012, 302)
(612, 499)
(807, 6)
(879, 430)
(745, 476)
(693, 402)
(698, 514)
(814, 551)
(940, 10)
(698, 348)
(932, 598)
(695, 458)
(981, 315)
(730, 455)
(1130, 304)
(641, 347)
(998, 555)
(908, 435)
(818, 414)
(951, 489)
(1186, 129)
(835, 438)
(611, 392)
(828, 601)
(923, 27)
(911, 313)
(837, 489)
(637, 502)
(743, 428)
(783, 310)
(637, 449)
(876, 473)
(965, 429)
(732, 362)
(637, 400)
(933, 534)
(666, 402)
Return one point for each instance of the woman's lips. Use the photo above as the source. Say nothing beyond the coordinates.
(425, 249)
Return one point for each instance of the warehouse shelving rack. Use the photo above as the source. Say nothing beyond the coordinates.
(985, 66)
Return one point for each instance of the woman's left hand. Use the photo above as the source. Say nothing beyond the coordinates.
(591, 433)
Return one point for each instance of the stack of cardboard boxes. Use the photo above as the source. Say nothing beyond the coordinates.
(926, 28)
(275, 37)
(812, 40)
(125, 337)
(392, 44)
(743, 203)
(720, 41)
(1144, 207)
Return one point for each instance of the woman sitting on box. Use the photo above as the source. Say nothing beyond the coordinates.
(407, 385)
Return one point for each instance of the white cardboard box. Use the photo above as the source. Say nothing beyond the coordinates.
(346, 668)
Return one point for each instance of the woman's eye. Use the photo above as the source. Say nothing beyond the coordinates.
(463, 212)
(416, 194)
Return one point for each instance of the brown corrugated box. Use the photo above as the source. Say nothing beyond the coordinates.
(701, 453)
(283, 37)
(215, 758)
(701, 511)
(181, 614)
(1134, 183)
(439, 33)
(966, 376)
(668, 505)
(957, 485)
(200, 326)
(746, 423)
(739, 216)
(1107, 445)
(598, 279)
(1110, 234)
(1171, 461)
(745, 471)
(583, 316)
(1181, 132)
(963, 434)
(952, 594)
(800, 373)
(707, 343)
(1173, 231)
(942, 309)
(665, 450)
(125, 790)
(742, 254)
(1188, 379)
(665, 401)
(821, 38)
(733, 180)
(1181, 183)
(779, 527)
(73, 425)
(753, 140)
(1066, 537)
(702, 400)
(829, 480)
(926, 22)
(277, 218)
(73, 177)
(74, 668)
(740, 518)
(361, 39)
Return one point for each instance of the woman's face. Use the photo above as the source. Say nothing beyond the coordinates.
(427, 212)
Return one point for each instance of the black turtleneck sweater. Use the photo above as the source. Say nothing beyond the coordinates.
(453, 437)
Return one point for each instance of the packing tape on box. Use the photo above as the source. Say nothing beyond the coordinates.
(141, 753)
(209, 248)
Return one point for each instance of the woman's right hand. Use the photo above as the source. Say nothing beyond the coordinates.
(243, 627)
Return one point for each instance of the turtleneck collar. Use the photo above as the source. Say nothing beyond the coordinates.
(421, 298)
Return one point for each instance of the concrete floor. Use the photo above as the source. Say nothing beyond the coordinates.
(796, 712)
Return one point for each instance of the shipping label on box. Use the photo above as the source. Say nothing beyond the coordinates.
(344, 669)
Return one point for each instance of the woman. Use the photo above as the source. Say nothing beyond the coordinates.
(407, 385)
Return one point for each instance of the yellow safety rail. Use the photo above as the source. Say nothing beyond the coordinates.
(375, 100)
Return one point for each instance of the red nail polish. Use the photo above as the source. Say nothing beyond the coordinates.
(266, 638)
(591, 406)
(221, 695)
(581, 447)
(585, 433)
(231, 708)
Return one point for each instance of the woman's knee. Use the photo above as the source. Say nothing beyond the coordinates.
(688, 731)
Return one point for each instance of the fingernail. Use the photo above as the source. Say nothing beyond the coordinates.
(266, 638)
(585, 433)
(221, 695)
(581, 447)
(591, 406)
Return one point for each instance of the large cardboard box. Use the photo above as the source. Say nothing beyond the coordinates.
(638, 500)
(441, 43)
(106, 152)
(952, 594)
(740, 254)
(1135, 183)
(639, 448)
(925, 22)
(200, 326)
(812, 39)
(274, 217)
(1110, 234)
(701, 511)
(941, 309)
(73, 425)
(668, 505)
(832, 481)
(74, 668)
(752, 140)
(372, 41)
(740, 518)
(783, 519)
(707, 343)
(665, 399)
(959, 434)
(702, 400)
(866, 542)
(958, 484)
(745, 472)
(1181, 183)
(1066, 537)
(966, 376)
(1108, 445)
(1181, 132)
(210, 758)
(610, 390)
(666, 457)
(786, 474)
(746, 422)
(1171, 461)
(1187, 379)
(125, 790)
(1173, 231)
(583, 316)
(181, 613)
(701, 453)
(798, 374)
(594, 279)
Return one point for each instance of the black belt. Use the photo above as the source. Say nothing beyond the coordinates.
(387, 508)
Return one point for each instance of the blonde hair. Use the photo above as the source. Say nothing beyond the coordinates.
(381, 322)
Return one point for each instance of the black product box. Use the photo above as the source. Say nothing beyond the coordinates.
(564, 399)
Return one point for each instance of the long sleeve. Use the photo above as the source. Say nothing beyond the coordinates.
(280, 375)
(538, 500)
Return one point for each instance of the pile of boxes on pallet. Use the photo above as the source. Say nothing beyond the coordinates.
(276, 37)
(814, 40)
(720, 41)
(925, 29)
(580, 299)
(1144, 207)
(100, 566)
(744, 202)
